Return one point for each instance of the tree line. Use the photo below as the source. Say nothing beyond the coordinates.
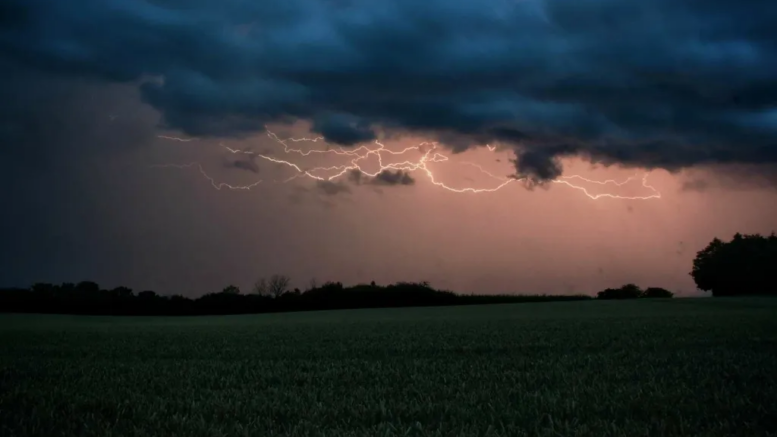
(746, 265)
(267, 296)
(632, 291)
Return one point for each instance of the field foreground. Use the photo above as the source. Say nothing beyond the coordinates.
(675, 367)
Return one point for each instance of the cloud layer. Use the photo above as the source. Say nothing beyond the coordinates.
(660, 84)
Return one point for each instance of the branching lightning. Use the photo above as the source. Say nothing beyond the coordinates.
(182, 140)
(216, 185)
(429, 154)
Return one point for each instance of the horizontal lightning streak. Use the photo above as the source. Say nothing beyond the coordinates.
(216, 185)
(429, 154)
(182, 140)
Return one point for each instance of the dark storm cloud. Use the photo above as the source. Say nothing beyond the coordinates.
(385, 177)
(356, 176)
(699, 185)
(388, 177)
(332, 188)
(45, 118)
(343, 129)
(247, 164)
(734, 177)
(58, 138)
(660, 83)
(536, 161)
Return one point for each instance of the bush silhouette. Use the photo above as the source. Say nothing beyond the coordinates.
(655, 292)
(628, 291)
(631, 291)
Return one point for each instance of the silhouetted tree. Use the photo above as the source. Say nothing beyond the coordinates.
(628, 291)
(278, 285)
(147, 295)
(122, 292)
(743, 266)
(330, 286)
(655, 292)
(261, 288)
(87, 287)
(231, 289)
(41, 288)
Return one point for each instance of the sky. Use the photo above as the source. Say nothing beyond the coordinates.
(185, 145)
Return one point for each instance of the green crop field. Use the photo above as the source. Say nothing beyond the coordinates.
(674, 367)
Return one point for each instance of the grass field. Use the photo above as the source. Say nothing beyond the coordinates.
(679, 367)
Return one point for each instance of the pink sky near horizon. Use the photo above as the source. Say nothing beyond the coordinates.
(117, 220)
(180, 235)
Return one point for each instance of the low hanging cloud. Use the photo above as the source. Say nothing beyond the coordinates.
(385, 177)
(245, 163)
(389, 177)
(343, 129)
(332, 188)
(733, 177)
(658, 84)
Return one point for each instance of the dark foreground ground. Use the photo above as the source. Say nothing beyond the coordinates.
(679, 367)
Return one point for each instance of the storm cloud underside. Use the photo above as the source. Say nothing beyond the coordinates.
(656, 84)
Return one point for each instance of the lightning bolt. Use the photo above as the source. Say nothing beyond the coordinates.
(216, 185)
(182, 140)
(655, 193)
(429, 154)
